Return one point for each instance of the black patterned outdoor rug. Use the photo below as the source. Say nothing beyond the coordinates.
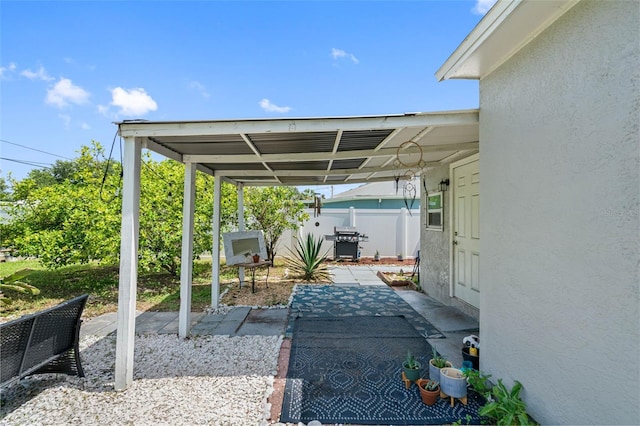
(348, 370)
(313, 301)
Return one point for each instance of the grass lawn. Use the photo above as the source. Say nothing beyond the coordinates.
(158, 291)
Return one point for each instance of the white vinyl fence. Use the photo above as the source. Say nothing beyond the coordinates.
(391, 232)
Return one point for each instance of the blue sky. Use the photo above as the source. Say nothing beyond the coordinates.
(70, 69)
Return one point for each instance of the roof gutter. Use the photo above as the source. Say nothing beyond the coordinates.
(503, 31)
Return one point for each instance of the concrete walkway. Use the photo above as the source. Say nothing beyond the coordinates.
(241, 321)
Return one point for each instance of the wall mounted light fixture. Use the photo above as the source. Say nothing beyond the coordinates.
(443, 185)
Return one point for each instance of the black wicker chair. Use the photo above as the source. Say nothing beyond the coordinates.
(44, 342)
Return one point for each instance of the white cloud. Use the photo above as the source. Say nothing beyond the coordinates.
(200, 88)
(65, 92)
(132, 102)
(85, 126)
(5, 70)
(483, 6)
(266, 105)
(40, 74)
(339, 53)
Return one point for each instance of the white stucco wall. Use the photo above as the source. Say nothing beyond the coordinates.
(559, 154)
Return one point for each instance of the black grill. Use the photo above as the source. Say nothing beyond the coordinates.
(346, 242)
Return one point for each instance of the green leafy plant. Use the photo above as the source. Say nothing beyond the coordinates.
(411, 362)
(307, 261)
(431, 385)
(437, 359)
(12, 282)
(274, 210)
(479, 382)
(505, 406)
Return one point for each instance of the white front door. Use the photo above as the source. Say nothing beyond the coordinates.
(466, 231)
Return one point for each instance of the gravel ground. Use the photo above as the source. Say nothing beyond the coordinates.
(214, 380)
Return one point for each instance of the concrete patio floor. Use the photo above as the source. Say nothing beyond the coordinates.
(242, 321)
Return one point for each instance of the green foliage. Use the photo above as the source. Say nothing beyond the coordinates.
(467, 419)
(5, 194)
(479, 381)
(430, 385)
(505, 406)
(437, 359)
(12, 282)
(307, 262)
(71, 213)
(274, 210)
(410, 362)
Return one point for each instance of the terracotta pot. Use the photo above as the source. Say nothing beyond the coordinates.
(256, 258)
(434, 372)
(453, 382)
(428, 397)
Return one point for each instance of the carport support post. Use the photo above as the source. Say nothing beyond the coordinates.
(128, 281)
(215, 247)
(186, 263)
(240, 189)
(403, 231)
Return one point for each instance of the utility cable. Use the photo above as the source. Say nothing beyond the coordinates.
(33, 149)
(28, 163)
(106, 170)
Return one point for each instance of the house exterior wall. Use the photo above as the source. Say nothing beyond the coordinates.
(559, 155)
(435, 251)
(435, 247)
(383, 227)
(378, 203)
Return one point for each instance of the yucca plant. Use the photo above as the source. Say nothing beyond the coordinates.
(12, 282)
(430, 385)
(307, 262)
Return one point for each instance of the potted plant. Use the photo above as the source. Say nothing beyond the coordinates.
(437, 362)
(376, 256)
(411, 367)
(429, 391)
(453, 383)
(256, 258)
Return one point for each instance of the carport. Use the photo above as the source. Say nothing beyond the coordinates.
(271, 152)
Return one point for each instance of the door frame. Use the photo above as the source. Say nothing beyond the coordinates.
(451, 198)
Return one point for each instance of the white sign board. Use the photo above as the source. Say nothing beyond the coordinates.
(240, 246)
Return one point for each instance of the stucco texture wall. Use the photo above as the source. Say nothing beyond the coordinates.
(559, 154)
(434, 252)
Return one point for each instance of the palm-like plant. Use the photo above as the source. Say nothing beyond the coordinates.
(307, 261)
(12, 282)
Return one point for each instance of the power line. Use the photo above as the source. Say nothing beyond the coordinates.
(34, 149)
(28, 163)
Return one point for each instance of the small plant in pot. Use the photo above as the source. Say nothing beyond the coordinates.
(411, 367)
(376, 256)
(429, 391)
(437, 362)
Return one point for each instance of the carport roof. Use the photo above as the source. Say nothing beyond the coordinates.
(312, 151)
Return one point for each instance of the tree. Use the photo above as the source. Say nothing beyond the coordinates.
(5, 194)
(66, 220)
(75, 218)
(274, 210)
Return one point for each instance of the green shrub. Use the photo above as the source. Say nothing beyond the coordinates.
(307, 262)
